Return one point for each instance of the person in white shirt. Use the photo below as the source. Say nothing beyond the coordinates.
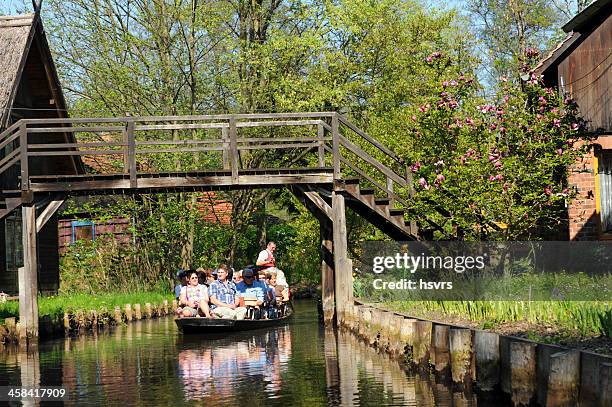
(268, 263)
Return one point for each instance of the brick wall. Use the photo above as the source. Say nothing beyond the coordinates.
(583, 219)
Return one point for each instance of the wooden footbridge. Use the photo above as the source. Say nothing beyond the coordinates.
(327, 162)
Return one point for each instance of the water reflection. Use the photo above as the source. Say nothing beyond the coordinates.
(151, 363)
(214, 369)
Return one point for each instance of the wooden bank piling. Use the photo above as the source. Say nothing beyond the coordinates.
(563, 379)
(605, 384)
(461, 356)
(523, 372)
(486, 349)
(441, 350)
(137, 312)
(149, 311)
(422, 343)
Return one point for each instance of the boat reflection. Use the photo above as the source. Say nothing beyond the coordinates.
(217, 369)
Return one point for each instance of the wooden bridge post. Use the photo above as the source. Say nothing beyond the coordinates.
(327, 270)
(234, 159)
(342, 264)
(226, 148)
(336, 146)
(321, 148)
(28, 278)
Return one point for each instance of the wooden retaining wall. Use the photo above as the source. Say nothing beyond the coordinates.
(529, 373)
(82, 321)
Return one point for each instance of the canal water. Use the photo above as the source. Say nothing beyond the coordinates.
(150, 363)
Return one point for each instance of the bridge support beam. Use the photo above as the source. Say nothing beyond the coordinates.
(343, 266)
(327, 270)
(28, 279)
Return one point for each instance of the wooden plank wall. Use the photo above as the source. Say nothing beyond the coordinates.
(587, 76)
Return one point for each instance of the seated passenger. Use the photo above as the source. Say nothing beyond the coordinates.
(194, 297)
(223, 297)
(250, 288)
(237, 277)
(181, 275)
(278, 289)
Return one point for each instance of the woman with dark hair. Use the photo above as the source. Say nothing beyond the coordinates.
(194, 297)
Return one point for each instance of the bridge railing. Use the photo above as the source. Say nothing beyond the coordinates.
(134, 146)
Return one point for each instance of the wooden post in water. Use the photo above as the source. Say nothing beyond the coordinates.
(605, 384)
(461, 356)
(395, 342)
(327, 269)
(441, 350)
(165, 307)
(66, 322)
(486, 348)
(523, 372)
(137, 312)
(28, 278)
(149, 310)
(422, 344)
(118, 317)
(128, 312)
(407, 333)
(563, 379)
(343, 267)
(94, 319)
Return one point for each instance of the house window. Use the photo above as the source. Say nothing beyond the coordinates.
(83, 230)
(13, 242)
(604, 173)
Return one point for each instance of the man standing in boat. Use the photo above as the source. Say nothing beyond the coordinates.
(267, 262)
(223, 297)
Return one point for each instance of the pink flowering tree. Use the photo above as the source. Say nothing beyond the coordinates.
(494, 170)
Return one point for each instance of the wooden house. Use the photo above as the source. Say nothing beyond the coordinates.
(579, 67)
(30, 88)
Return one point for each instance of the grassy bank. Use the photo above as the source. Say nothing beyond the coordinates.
(56, 306)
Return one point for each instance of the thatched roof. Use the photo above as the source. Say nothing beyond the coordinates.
(15, 36)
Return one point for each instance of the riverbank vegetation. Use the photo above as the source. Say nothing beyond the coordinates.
(56, 306)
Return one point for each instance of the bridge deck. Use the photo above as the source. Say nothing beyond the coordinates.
(180, 181)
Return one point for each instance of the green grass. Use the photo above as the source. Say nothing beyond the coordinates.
(587, 317)
(56, 306)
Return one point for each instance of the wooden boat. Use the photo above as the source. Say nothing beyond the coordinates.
(197, 325)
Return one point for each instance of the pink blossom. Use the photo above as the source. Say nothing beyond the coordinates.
(413, 118)
(500, 111)
(549, 91)
(502, 129)
(554, 110)
(542, 100)
(458, 123)
(497, 164)
(575, 126)
(429, 59)
(469, 121)
(453, 83)
(503, 78)
(445, 83)
(505, 186)
(499, 177)
(453, 104)
(560, 151)
(548, 190)
(492, 178)
(423, 183)
(556, 122)
(439, 180)
(424, 107)
(531, 52)
(415, 167)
